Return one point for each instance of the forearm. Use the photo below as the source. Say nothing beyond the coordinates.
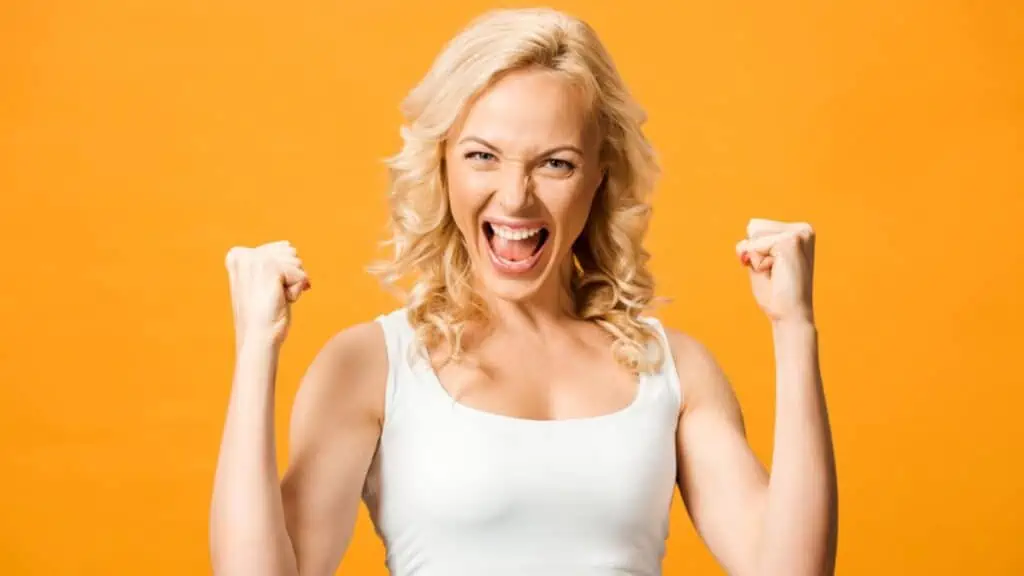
(248, 534)
(798, 534)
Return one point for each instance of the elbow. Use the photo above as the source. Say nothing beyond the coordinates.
(240, 559)
(813, 560)
(803, 553)
(808, 563)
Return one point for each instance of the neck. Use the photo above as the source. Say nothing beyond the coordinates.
(551, 305)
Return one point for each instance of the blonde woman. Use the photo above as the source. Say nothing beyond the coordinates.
(520, 413)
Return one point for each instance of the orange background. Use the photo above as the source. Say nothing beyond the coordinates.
(141, 139)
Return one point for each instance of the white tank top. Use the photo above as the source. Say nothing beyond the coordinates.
(458, 491)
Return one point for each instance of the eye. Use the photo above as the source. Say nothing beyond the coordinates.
(480, 155)
(559, 164)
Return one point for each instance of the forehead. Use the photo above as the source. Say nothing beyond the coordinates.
(531, 109)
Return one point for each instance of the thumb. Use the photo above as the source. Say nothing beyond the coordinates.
(760, 278)
(294, 290)
(757, 262)
(759, 266)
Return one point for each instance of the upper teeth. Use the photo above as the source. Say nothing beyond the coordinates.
(514, 233)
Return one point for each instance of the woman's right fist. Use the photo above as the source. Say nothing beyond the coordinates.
(264, 280)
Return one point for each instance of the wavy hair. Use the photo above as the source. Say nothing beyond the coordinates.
(610, 283)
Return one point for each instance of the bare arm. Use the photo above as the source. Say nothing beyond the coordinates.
(753, 522)
(801, 518)
(302, 524)
(247, 529)
(259, 525)
(335, 425)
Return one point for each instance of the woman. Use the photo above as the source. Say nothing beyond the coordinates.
(520, 414)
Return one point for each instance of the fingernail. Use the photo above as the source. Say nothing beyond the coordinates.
(745, 258)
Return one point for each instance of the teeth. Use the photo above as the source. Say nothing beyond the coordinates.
(514, 233)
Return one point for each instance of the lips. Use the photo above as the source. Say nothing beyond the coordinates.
(515, 247)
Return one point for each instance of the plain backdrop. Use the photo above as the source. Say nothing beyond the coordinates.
(140, 140)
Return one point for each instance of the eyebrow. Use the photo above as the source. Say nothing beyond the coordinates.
(547, 152)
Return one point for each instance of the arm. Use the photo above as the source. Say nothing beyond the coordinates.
(753, 522)
(300, 525)
(801, 520)
(335, 425)
(247, 531)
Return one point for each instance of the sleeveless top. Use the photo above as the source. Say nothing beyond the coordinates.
(455, 491)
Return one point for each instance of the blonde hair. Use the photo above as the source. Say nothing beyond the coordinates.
(610, 284)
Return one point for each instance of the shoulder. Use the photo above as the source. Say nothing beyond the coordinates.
(686, 349)
(686, 352)
(346, 378)
(358, 350)
(701, 378)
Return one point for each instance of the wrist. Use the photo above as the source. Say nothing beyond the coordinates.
(796, 325)
(258, 340)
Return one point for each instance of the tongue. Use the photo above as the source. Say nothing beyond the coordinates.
(514, 250)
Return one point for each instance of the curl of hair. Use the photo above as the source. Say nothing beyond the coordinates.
(611, 284)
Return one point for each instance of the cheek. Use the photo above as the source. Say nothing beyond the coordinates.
(466, 192)
(571, 208)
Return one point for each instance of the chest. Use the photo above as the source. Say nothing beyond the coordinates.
(535, 383)
(577, 469)
(469, 475)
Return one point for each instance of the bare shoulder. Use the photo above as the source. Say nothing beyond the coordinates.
(701, 377)
(344, 384)
(688, 352)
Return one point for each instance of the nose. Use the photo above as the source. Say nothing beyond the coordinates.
(514, 191)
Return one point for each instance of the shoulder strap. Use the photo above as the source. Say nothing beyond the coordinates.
(397, 334)
(667, 373)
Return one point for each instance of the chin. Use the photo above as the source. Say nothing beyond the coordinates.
(510, 290)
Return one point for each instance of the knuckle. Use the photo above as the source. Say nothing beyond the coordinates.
(232, 257)
(264, 264)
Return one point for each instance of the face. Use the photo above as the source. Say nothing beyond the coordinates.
(522, 170)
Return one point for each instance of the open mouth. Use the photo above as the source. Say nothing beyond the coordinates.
(515, 248)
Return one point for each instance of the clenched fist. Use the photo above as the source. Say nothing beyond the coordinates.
(780, 256)
(264, 280)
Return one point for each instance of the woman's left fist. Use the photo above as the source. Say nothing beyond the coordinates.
(780, 257)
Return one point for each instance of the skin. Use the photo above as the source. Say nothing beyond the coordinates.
(534, 361)
(525, 151)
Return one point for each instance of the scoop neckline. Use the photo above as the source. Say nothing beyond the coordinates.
(425, 369)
